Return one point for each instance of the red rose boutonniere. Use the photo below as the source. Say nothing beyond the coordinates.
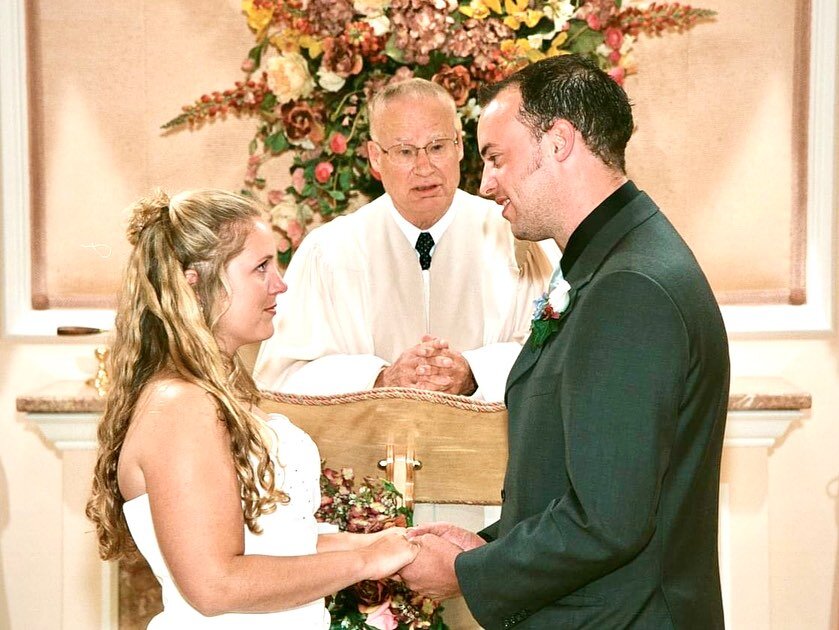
(547, 312)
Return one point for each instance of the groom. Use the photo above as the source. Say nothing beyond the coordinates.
(617, 402)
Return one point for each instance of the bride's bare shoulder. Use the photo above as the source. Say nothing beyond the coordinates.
(170, 397)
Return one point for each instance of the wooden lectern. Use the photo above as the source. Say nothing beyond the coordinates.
(436, 448)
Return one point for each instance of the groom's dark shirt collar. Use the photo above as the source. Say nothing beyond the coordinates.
(592, 224)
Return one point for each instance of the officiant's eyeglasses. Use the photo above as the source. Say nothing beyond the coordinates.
(406, 154)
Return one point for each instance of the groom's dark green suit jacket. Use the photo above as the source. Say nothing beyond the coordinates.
(609, 514)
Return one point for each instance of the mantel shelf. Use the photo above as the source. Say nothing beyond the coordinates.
(761, 411)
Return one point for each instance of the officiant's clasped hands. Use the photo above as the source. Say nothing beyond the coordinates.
(430, 365)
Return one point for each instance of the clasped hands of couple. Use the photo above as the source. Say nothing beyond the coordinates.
(436, 545)
(430, 365)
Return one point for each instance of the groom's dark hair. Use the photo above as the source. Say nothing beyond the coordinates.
(572, 88)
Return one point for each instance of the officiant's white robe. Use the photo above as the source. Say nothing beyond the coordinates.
(357, 299)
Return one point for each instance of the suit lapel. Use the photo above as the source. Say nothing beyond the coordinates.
(632, 215)
(527, 357)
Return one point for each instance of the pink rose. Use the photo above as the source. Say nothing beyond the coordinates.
(338, 143)
(381, 617)
(613, 38)
(298, 180)
(618, 74)
(275, 197)
(593, 21)
(323, 171)
(250, 174)
(295, 232)
(283, 245)
(615, 57)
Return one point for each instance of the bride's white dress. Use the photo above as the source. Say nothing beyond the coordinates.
(289, 531)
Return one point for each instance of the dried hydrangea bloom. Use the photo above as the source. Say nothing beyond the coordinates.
(419, 27)
(327, 18)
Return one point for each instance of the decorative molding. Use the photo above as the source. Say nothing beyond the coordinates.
(67, 431)
(816, 316)
(19, 318)
(762, 429)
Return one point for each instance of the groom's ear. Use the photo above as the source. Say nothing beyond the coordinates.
(561, 138)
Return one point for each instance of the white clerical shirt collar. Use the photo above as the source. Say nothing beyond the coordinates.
(412, 232)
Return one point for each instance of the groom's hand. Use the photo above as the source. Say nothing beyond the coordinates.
(463, 538)
(432, 571)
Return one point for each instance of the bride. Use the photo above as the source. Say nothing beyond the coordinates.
(218, 496)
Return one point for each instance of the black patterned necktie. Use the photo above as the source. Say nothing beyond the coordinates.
(424, 244)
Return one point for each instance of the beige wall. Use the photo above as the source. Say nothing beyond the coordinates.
(801, 498)
(714, 113)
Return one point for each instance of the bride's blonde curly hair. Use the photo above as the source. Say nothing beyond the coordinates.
(165, 323)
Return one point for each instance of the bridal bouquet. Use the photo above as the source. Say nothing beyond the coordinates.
(316, 63)
(384, 604)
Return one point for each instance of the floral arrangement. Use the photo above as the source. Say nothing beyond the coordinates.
(316, 63)
(384, 604)
(548, 309)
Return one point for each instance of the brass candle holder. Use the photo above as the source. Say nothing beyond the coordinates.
(100, 381)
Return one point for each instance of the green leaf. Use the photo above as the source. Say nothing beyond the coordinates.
(345, 180)
(541, 329)
(252, 147)
(337, 195)
(269, 102)
(176, 122)
(393, 51)
(255, 53)
(277, 142)
(581, 39)
(283, 258)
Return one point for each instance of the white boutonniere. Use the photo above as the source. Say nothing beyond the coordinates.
(548, 310)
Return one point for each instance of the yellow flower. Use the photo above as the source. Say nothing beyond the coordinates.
(530, 18)
(518, 14)
(291, 41)
(258, 19)
(521, 48)
(480, 9)
(556, 45)
(286, 41)
(312, 45)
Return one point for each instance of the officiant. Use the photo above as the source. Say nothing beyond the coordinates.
(423, 287)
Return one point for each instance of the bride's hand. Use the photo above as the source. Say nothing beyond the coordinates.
(389, 552)
(369, 539)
